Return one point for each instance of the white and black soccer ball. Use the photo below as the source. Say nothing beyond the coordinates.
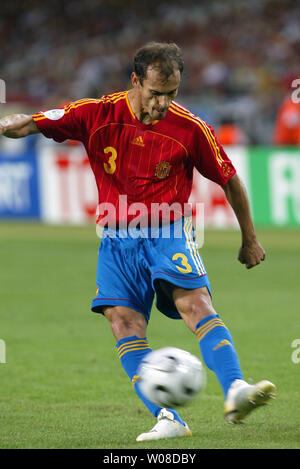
(171, 377)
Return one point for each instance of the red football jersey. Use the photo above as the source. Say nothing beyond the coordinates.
(146, 165)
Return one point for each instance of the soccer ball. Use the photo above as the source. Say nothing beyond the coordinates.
(171, 377)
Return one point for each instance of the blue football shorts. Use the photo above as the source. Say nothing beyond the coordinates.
(133, 267)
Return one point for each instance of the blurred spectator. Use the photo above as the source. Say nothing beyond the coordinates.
(237, 53)
(287, 126)
(229, 133)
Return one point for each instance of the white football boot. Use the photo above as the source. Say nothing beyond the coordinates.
(242, 398)
(166, 427)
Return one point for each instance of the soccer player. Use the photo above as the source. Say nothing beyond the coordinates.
(143, 147)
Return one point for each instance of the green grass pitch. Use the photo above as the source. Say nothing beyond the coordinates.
(62, 385)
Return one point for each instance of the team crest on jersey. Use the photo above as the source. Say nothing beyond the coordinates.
(162, 169)
(54, 114)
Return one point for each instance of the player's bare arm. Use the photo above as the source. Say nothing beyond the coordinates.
(17, 126)
(251, 252)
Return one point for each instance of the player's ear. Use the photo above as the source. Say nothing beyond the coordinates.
(135, 80)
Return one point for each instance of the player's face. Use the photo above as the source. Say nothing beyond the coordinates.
(156, 93)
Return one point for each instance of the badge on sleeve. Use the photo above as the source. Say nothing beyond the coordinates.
(54, 114)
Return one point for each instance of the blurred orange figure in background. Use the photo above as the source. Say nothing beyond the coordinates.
(228, 133)
(287, 126)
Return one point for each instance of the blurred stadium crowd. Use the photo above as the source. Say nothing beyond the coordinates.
(240, 56)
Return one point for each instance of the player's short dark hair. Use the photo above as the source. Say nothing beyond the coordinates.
(165, 56)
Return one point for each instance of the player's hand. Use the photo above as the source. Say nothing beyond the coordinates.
(251, 254)
(18, 125)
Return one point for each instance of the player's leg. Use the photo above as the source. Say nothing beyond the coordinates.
(125, 322)
(125, 296)
(219, 354)
(129, 329)
(216, 344)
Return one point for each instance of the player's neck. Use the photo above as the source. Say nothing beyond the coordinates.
(137, 109)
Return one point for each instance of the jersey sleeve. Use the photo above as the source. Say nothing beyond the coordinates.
(208, 155)
(73, 121)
